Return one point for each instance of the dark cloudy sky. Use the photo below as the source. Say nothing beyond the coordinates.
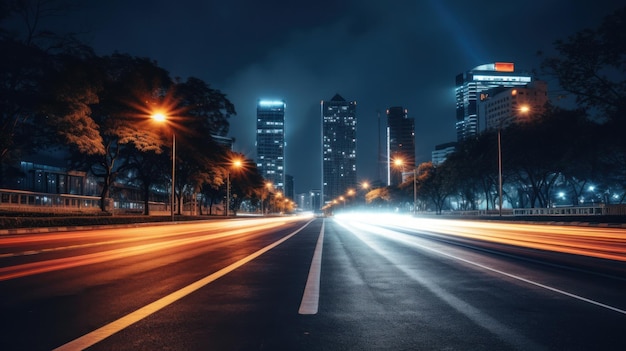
(379, 53)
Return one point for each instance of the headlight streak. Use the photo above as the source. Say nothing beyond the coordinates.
(28, 269)
(507, 334)
(413, 241)
(128, 234)
(605, 243)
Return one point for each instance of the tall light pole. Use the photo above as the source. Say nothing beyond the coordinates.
(227, 192)
(414, 191)
(524, 109)
(399, 163)
(160, 117)
(236, 163)
(500, 169)
(365, 186)
(267, 186)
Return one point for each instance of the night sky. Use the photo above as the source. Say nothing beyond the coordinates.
(379, 53)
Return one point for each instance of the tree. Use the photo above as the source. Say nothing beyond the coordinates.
(433, 183)
(23, 69)
(591, 65)
(245, 180)
(201, 112)
(94, 110)
(146, 170)
(29, 55)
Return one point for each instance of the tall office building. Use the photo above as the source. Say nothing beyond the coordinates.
(400, 144)
(471, 84)
(338, 147)
(270, 141)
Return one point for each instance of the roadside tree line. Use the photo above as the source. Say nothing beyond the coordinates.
(563, 157)
(57, 94)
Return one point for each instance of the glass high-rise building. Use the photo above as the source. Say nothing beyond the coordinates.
(400, 144)
(470, 85)
(338, 147)
(270, 141)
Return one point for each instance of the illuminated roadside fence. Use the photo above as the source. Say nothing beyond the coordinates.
(20, 200)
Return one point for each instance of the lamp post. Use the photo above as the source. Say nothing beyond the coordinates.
(267, 186)
(365, 186)
(414, 191)
(500, 169)
(227, 192)
(400, 163)
(160, 117)
(236, 164)
(523, 109)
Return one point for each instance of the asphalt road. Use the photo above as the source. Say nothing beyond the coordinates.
(315, 284)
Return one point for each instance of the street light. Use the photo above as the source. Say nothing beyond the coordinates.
(524, 109)
(160, 117)
(398, 162)
(414, 191)
(500, 169)
(236, 163)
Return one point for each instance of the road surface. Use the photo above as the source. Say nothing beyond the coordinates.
(298, 283)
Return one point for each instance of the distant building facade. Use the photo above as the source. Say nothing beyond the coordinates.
(339, 140)
(400, 143)
(501, 107)
(471, 84)
(441, 152)
(309, 201)
(270, 141)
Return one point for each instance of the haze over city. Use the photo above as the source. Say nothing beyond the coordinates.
(399, 53)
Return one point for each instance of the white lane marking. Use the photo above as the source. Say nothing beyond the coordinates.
(311, 297)
(410, 240)
(104, 332)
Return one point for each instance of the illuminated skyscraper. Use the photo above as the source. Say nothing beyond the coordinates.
(471, 84)
(270, 141)
(400, 143)
(338, 147)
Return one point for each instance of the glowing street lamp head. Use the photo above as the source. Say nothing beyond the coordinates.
(398, 162)
(524, 109)
(159, 116)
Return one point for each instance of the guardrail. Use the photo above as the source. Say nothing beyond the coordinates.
(29, 201)
(597, 210)
(20, 200)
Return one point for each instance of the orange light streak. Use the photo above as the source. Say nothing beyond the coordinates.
(241, 227)
(606, 243)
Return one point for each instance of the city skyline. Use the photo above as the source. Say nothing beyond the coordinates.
(380, 54)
